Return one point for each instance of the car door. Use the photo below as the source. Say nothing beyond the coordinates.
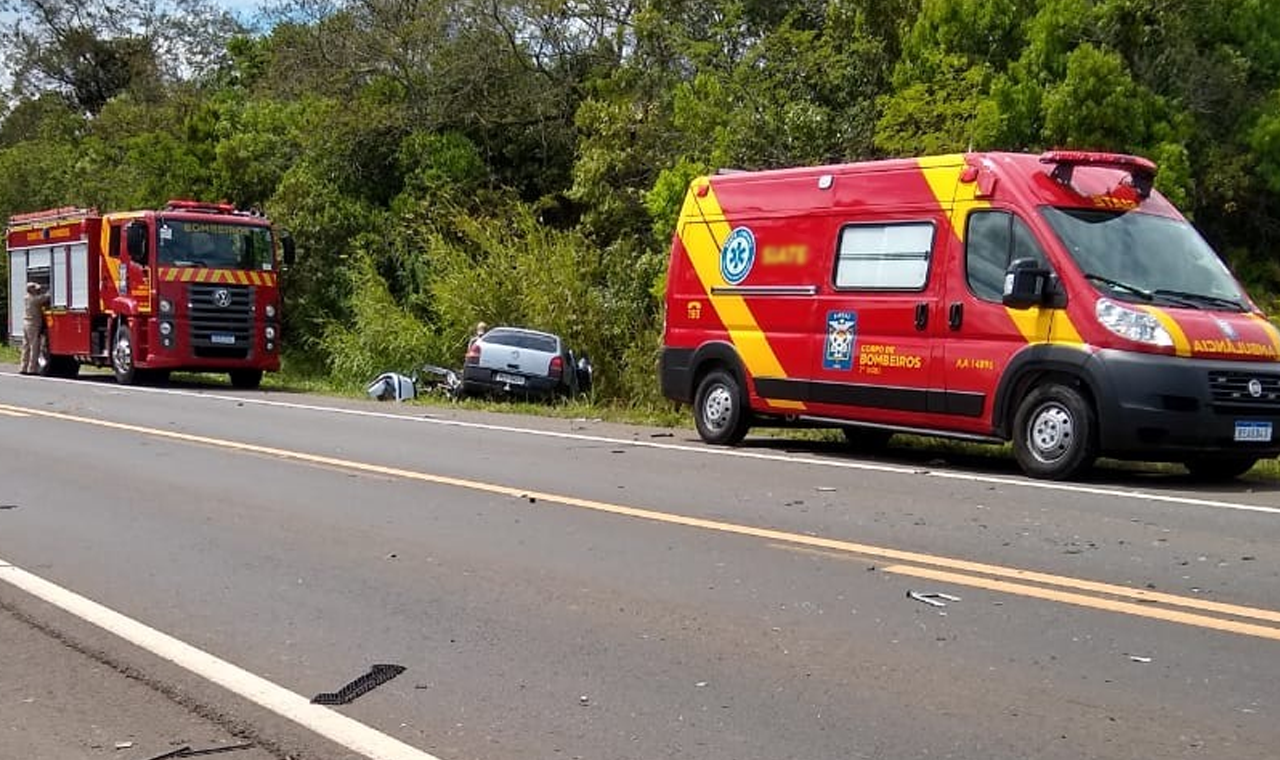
(981, 334)
(874, 344)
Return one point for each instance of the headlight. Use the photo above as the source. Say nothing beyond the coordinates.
(1131, 324)
(166, 306)
(270, 332)
(271, 310)
(166, 328)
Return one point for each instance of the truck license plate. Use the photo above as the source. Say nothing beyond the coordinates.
(1253, 432)
(223, 339)
(503, 377)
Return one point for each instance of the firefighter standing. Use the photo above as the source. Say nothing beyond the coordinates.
(32, 327)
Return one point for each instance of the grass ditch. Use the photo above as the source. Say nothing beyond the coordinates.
(909, 447)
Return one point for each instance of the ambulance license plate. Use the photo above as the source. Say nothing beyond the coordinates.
(503, 377)
(223, 339)
(1253, 432)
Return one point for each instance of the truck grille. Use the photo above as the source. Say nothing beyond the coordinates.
(220, 331)
(1234, 391)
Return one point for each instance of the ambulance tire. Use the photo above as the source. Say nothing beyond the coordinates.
(1215, 469)
(720, 409)
(122, 363)
(1054, 432)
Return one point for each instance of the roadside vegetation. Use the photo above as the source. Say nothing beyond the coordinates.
(443, 162)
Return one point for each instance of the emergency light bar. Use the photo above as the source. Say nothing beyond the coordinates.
(1142, 172)
(186, 205)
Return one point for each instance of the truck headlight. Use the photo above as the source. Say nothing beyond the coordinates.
(166, 306)
(1132, 324)
(270, 311)
(270, 332)
(166, 329)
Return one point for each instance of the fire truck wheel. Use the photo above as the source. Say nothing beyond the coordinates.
(1054, 431)
(247, 379)
(720, 410)
(1219, 468)
(122, 356)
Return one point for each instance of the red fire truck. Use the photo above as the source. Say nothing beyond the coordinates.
(1056, 301)
(193, 286)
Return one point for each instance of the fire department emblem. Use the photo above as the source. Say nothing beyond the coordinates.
(222, 298)
(737, 255)
(842, 337)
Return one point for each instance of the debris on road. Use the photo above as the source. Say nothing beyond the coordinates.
(1139, 658)
(933, 599)
(584, 700)
(8, 506)
(824, 489)
(186, 751)
(124, 745)
(377, 675)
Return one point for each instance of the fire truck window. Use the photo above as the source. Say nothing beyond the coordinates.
(885, 256)
(113, 241)
(994, 239)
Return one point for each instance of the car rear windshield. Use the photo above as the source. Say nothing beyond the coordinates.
(531, 341)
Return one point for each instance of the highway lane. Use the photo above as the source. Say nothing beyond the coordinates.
(687, 634)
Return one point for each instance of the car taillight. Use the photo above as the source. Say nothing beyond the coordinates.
(473, 354)
(556, 370)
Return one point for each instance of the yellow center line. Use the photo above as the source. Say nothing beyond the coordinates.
(768, 534)
(1092, 602)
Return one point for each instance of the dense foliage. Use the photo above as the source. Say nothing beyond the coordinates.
(442, 162)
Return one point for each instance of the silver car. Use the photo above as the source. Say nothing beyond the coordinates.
(516, 361)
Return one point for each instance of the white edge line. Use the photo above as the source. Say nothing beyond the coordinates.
(1042, 485)
(330, 724)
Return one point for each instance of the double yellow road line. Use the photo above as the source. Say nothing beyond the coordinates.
(1201, 613)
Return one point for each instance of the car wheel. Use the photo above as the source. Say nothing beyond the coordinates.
(720, 409)
(1054, 431)
(246, 379)
(122, 356)
(866, 440)
(1219, 468)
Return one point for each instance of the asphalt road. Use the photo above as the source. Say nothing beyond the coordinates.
(573, 589)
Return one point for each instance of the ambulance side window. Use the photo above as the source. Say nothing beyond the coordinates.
(994, 239)
(884, 256)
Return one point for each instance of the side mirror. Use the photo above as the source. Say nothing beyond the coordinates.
(1024, 284)
(288, 247)
(135, 242)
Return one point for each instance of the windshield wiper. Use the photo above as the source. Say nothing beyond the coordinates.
(1202, 298)
(1145, 295)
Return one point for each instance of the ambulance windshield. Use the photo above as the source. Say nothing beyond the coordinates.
(1143, 257)
(217, 245)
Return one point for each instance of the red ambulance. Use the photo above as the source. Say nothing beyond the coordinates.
(1056, 301)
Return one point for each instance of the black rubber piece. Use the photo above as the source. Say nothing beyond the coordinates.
(377, 675)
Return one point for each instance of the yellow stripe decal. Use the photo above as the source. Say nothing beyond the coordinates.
(1181, 346)
(1269, 330)
(702, 240)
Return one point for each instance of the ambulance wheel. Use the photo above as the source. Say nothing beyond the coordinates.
(1054, 432)
(720, 410)
(122, 356)
(246, 379)
(866, 440)
(1219, 468)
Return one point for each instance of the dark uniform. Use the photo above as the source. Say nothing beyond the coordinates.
(32, 327)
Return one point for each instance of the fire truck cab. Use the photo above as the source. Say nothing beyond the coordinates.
(192, 286)
(1056, 301)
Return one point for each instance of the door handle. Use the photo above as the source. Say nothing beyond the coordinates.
(922, 316)
(955, 315)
